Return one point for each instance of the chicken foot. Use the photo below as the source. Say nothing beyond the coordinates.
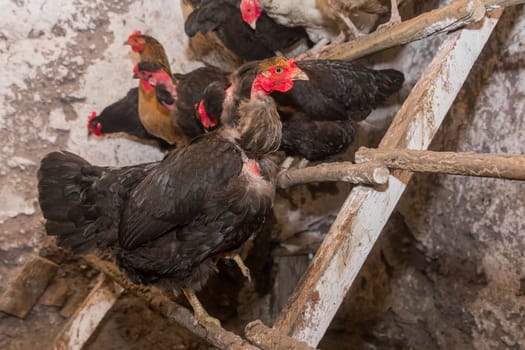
(199, 312)
(395, 17)
(322, 46)
(238, 261)
(351, 26)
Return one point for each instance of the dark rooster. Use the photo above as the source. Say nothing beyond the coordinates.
(325, 107)
(224, 18)
(166, 221)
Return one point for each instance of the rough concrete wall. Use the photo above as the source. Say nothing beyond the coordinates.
(447, 272)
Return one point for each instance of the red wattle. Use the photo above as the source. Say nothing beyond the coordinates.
(206, 120)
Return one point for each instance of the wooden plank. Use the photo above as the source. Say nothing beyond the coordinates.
(501, 166)
(88, 316)
(19, 298)
(337, 262)
(56, 294)
(445, 19)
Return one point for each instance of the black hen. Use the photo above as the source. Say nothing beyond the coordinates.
(339, 90)
(123, 116)
(190, 90)
(224, 18)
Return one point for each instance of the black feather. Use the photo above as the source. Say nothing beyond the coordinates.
(224, 18)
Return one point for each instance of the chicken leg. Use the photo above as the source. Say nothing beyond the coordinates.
(237, 259)
(200, 314)
(351, 26)
(395, 17)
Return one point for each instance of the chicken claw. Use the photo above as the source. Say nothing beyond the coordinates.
(201, 315)
(237, 259)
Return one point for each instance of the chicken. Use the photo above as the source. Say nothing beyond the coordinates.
(208, 48)
(122, 117)
(223, 17)
(190, 89)
(166, 221)
(157, 96)
(337, 95)
(155, 113)
(149, 49)
(340, 90)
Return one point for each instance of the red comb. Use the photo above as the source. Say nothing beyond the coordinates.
(94, 130)
(92, 116)
(291, 62)
(135, 33)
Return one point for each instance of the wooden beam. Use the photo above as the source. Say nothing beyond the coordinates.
(329, 276)
(501, 166)
(88, 316)
(445, 19)
(268, 339)
(215, 335)
(367, 174)
(19, 298)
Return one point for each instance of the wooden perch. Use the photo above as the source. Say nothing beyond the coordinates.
(368, 174)
(215, 335)
(269, 339)
(445, 19)
(31, 282)
(503, 166)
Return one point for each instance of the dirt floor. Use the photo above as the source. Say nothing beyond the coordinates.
(447, 272)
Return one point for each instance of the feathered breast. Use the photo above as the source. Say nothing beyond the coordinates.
(259, 127)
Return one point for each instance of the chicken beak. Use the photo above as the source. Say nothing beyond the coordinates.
(253, 24)
(126, 42)
(299, 75)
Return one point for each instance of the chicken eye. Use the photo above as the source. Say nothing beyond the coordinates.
(249, 10)
(278, 70)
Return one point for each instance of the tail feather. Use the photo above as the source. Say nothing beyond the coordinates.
(82, 202)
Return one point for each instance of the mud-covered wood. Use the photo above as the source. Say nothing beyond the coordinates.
(215, 335)
(366, 174)
(56, 294)
(445, 19)
(269, 339)
(503, 166)
(19, 298)
(85, 321)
